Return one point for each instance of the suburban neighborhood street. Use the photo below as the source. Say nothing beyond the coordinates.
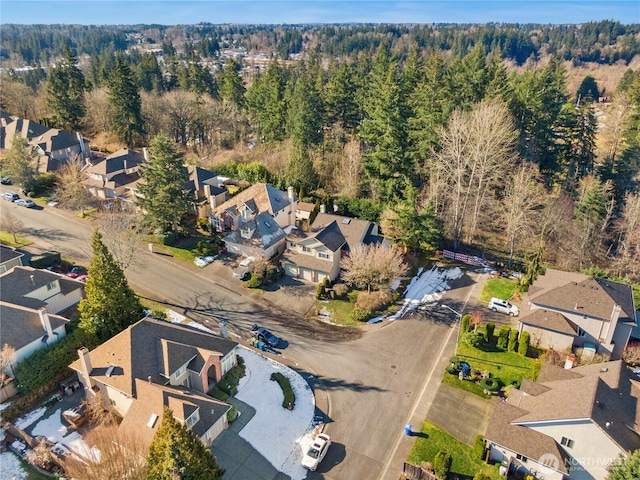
(373, 376)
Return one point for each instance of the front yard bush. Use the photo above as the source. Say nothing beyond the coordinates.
(489, 329)
(473, 339)
(232, 414)
(465, 321)
(255, 281)
(229, 383)
(341, 289)
(490, 384)
(45, 260)
(442, 464)
(289, 396)
(513, 340)
(478, 447)
(374, 301)
(523, 346)
(361, 315)
(503, 336)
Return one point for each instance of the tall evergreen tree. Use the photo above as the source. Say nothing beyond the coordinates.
(576, 133)
(300, 172)
(163, 196)
(125, 103)
(305, 113)
(384, 130)
(176, 452)
(19, 163)
(149, 74)
(340, 97)
(231, 85)
(65, 92)
(110, 305)
(266, 103)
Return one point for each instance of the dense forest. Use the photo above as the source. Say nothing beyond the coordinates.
(448, 135)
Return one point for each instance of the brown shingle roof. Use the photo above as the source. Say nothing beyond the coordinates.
(138, 354)
(267, 199)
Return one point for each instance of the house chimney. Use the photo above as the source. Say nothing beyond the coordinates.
(223, 329)
(145, 154)
(33, 281)
(335, 208)
(85, 361)
(46, 322)
(323, 208)
(149, 378)
(81, 144)
(290, 193)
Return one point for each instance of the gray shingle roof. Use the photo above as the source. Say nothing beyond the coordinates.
(353, 230)
(24, 280)
(331, 237)
(266, 232)
(7, 254)
(549, 321)
(137, 350)
(21, 326)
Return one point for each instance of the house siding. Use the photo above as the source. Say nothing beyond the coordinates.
(592, 449)
(541, 337)
(500, 453)
(37, 344)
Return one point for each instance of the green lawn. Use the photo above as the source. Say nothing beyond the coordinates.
(498, 287)
(465, 385)
(433, 440)
(503, 365)
(7, 239)
(185, 250)
(340, 309)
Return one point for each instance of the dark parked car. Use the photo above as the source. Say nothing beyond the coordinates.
(5, 180)
(265, 336)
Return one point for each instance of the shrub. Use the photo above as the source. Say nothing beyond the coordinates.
(490, 384)
(478, 447)
(361, 314)
(206, 248)
(340, 289)
(503, 336)
(203, 224)
(523, 347)
(320, 290)
(255, 281)
(442, 464)
(465, 322)
(481, 476)
(452, 370)
(513, 340)
(373, 300)
(289, 396)
(272, 273)
(165, 238)
(490, 328)
(473, 339)
(232, 414)
(631, 354)
(45, 260)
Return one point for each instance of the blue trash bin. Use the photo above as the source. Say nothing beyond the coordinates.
(407, 429)
(261, 345)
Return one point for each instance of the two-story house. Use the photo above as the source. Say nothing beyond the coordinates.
(255, 218)
(570, 424)
(314, 255)
(112, 176)
(9, 258)
(31, 308)
(155, 364)
(564, 310)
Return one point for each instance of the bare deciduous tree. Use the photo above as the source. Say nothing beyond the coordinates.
(350, 171)
(628, 227)
(522, 196)
(373, 266)
(120, 229)
(17, 98)
(11, 224)
(73, 193)
(97, 118)
(114, 454)
(7, 357)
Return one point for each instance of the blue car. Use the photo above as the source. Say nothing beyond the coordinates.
(265, 336)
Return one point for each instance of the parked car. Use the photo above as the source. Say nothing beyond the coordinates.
(265, 336)
(25, 202)
(502, 306)
(11, 196)
(243, 270)
(316, 452)
(5, 180)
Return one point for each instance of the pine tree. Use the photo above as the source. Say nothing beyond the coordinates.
(65, 92)
(300, 171)
(19, 163)
(340, 97)
(149, 74)
(110, 305)
(176, 452)
(305, 113)
(164, 199)
(232, 87)
(266, 102)
(125, 103)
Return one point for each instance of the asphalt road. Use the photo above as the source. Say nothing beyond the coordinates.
(373, 380)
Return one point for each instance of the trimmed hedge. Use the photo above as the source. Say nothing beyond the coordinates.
(503, 336)
(289, 396)
(442, 464)
(490, 328)
(523, 347)
(478, 447)
(45, 260)
(490, 384)
(513, 340)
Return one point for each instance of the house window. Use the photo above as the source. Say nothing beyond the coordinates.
(193, 419)
(306, 249)
(181, 370)
(567, 442)
(51, 286)
(324, 255)
(581, 332)
(522, 458)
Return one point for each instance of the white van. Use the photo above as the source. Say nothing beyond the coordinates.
(502, 306)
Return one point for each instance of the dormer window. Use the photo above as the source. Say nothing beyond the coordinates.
(323, 255)
(246, 232)
(193, 418)
(51, 285)
(180, 371)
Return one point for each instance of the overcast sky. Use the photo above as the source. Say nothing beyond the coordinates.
(172, 12)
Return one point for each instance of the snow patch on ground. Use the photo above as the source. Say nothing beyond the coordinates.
(52, 428)
(23, 422)
(10, 466)
(280, 435)
(426, 288)
(4, 406)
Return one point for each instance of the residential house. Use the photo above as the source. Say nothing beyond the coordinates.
(304, 211)
(203, 187)
(9, 258)
(314, 255)
(53, 147)
(115, 175)
(570, 424)
(564, 310)
(155, 364)
(256, 217)
(32, 310)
